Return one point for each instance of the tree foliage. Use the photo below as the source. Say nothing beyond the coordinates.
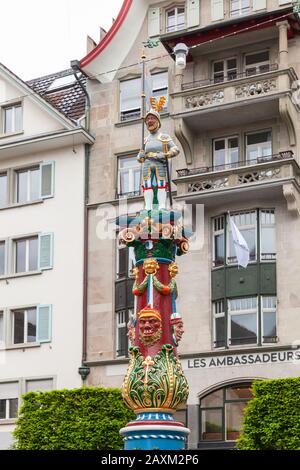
(86, 419)
(272, 417)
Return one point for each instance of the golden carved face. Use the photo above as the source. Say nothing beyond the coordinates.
(151, 266)
(131, 333)
(135, 272)
(173, 269)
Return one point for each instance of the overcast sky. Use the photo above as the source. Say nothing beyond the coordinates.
(40, 37)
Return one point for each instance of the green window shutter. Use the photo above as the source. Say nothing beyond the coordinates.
(217, 10)
(153, 22)
(193, 13)
(259, 5)
(45, 251)
(44, 323)
(47, 179)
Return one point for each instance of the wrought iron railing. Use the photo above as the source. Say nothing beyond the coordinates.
(124, 195)
(229, 166)
(130, 115)
(214, 81)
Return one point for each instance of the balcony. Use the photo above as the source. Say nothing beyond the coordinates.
(269, 177)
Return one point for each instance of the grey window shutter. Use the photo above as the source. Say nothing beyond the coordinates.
(193, 13)
(153, 22)
(259, 5)
(47, 179)
(44, 323)
(45, 251)
(217, 10)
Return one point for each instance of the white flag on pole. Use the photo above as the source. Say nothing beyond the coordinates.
(241, 248)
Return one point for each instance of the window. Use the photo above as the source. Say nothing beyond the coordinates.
(226, 152)
(221, 413)
(39, 385)
(258, 62)
(26, 255)
(2, 258)
(1, 328)
(28, 185)
(9, 393)
(269, 334)
(242, 321)
(219, 323)
(129, 177)
(12, 119)
(160, 86)
(268, 235)
(243, 318)
(125, 262)
(62, 82)
(246, 223)
(239, 7)
(258, 146)
(175, 19)
(3, 190)
(218, 241)
(24, 326)
(122, 341)
(224, 70)
(130, 99)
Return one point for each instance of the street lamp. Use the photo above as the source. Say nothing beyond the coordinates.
(181, 51)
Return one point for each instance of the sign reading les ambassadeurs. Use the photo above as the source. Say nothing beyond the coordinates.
(248, 359)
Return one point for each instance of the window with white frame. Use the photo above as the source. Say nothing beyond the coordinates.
(2, 257)
(242, 324)
(246, 222)
(28, 185)
(38, 385)
(269, 306)
(219, 323)
(247, 225)
(129, 176)
(26, 255)
(130, 99)
(12, 119)
(9, 393)
(239, 7)
(257, 62)
(3, 190)
(160, 86)
(225, 152)
(122, 343)
(258, 146)
(24, 323)
(267, 235)
(224, 70)
(175, 19)
(1, 328)
(218, 241)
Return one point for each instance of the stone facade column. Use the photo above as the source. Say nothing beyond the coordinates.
(283, 27)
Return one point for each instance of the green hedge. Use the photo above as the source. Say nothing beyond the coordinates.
(272, 417)
(85, 418)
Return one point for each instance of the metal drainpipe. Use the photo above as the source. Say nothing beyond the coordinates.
(84, 370)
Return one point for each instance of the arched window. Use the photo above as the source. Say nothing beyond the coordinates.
(221, 413)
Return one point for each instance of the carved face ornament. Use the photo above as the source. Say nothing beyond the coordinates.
(152, 123)
(150, 327)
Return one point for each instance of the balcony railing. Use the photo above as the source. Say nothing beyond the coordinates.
(175, 27)
(125, 195)
(130, 115)
(228, 166)
(213, 81)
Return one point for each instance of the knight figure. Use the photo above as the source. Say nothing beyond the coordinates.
(158, 148)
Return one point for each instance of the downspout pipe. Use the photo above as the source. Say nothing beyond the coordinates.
(84, 370)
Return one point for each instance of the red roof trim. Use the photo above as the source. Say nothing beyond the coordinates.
(110, 35)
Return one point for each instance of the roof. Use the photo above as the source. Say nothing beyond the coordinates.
(68, 99)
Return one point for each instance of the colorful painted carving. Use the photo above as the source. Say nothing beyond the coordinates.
(149, 326)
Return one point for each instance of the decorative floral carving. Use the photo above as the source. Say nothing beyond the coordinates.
(208, 184)
(255, 88)
(205, 99)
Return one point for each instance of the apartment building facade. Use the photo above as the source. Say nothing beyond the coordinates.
(42, 163)
(234, 112)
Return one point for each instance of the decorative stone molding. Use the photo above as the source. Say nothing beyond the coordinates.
(186, 138)
(208, 184)
(258, 175)
(255, 88)
(287, 114)
(204, 99)
(292, 198)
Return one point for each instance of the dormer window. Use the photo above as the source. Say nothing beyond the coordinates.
(12, 119)
(175, 19)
